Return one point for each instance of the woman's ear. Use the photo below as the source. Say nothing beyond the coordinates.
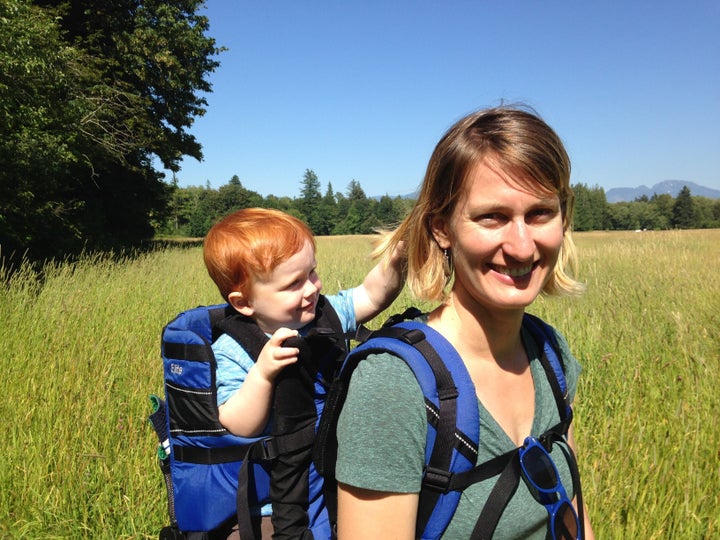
(438, 226)
(241, 304)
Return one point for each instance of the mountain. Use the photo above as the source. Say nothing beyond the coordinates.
(624, 194)
(671, 187)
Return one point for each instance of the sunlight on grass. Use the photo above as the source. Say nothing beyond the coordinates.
(82, 356)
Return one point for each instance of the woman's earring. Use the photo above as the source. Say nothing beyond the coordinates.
(447, 264)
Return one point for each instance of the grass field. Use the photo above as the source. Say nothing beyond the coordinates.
(81, 355)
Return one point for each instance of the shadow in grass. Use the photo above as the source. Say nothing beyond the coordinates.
(11, 264)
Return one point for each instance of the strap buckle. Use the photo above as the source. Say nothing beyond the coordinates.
(437, 480)
(264, 450)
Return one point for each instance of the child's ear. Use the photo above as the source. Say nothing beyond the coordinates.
(241, 304)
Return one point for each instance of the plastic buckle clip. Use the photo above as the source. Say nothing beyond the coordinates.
(437, 480)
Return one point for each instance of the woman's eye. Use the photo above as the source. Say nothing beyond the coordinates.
(488, 219)
(542, 214)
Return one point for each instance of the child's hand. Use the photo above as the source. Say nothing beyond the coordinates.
(274, 357)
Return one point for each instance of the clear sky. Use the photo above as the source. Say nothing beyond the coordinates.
(363, 90)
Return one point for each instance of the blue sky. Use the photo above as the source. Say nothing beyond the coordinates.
(363, 90)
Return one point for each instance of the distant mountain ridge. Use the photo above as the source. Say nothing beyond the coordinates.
(625, 194)
(670, 187)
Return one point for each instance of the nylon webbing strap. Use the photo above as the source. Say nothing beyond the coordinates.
(575, 472)
(209, 456)
(271, 447)
(193, 352)
(560, 399)
(442, 452)
(243, 506)
(462, 480)
(265, 450)
(498, 499)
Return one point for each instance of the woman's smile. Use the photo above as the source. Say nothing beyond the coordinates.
(516, 272)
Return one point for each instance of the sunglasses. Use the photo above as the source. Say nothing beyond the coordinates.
(541, 475)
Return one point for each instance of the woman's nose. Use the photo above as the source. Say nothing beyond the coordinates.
(519, 242)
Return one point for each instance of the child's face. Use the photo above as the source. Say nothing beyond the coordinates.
(288, 296)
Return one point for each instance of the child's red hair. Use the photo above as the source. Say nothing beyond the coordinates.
(250, 243)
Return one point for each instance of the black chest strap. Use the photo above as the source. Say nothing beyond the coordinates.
(294, 414)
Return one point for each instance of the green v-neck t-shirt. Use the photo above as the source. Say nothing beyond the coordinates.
(382, 431)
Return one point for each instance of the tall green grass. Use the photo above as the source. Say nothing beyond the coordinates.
(81, 355)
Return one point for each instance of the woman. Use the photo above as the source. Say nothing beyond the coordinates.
(493, 218)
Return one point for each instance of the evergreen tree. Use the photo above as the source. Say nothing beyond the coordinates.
(358, 211)
(328, 212)
(310, 201)
(583, 214)
(683, 212)
(591, 208)
(233, 196)
(385, 212)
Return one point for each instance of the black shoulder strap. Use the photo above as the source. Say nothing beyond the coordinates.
(244, 330)
(295, 412)
(248, 334)
(216, 316)
(501, 493)
(294, 415)
(544, 337)
(325, 451)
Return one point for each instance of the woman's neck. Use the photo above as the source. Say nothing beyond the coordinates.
(479, 333)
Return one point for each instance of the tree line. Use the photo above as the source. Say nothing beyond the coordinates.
(659, 212)
(193, 210)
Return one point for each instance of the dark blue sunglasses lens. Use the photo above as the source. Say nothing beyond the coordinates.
(566, 525)
(539, 468)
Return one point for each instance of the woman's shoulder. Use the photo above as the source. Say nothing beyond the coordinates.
(570, 365)
(384, 370)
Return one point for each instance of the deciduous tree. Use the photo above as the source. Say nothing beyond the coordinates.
(94, 91)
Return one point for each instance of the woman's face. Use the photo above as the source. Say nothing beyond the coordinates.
(504, 241)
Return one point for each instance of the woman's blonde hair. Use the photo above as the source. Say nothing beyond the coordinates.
(512, 139)
(250, 243)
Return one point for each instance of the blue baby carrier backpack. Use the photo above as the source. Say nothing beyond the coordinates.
(453, 422)
(216, 480)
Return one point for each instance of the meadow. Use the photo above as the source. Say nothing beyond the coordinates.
(81, 357)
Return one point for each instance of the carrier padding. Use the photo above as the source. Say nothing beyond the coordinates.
(205, 457)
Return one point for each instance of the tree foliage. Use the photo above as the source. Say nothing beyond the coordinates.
(591, 208)
(683, 211)
(310, 202)
(91, 93)
(194, 209)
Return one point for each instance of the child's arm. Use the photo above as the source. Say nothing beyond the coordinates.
(381, 286)
(247, 411)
